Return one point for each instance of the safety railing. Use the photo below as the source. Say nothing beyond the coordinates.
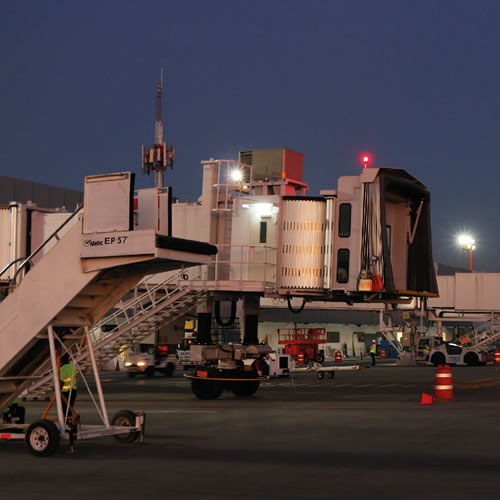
(150, 298)
(485, 334)
(27, 260)
(245, 263)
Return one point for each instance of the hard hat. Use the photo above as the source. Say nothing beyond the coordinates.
(374, 341)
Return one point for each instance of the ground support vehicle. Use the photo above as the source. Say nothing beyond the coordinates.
(147, 360)
(322, 370)
(279, 365)
(182, 352)
(303, 343)
(472, 349)
(222, 368)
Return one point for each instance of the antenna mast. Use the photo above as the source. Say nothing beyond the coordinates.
(160, 156)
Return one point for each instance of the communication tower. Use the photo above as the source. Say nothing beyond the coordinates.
(160, 156)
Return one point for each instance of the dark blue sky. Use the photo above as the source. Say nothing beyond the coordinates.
(415, 83)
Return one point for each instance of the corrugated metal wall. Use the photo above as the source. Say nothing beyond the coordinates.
(45, 196)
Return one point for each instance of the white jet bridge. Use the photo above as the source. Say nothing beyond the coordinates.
(52, 306)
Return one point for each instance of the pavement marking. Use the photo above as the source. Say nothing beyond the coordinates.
(181, 411)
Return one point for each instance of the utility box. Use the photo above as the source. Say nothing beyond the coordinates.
(273, 164)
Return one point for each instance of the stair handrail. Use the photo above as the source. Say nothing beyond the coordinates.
(6, 267)
(483, 328)
(138, 301)
(35, 252)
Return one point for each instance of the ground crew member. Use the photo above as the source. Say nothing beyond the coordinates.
(373, 351)
(67, 376)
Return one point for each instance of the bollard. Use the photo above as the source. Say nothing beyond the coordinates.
(497, 356)
(443, 385)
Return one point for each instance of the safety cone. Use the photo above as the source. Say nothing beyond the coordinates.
(427, 399)
(382, 354)
(117, 368)
(338, 357)
(300, 359)
(497, 356)
(443, 385)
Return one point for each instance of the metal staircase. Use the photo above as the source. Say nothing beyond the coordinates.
(131, 321)
(483, 336)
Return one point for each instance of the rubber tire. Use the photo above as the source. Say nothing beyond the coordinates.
(46, 435)
(438, 359)
(331, 374)
(125, 418)
(150, 371)
(320, 375)
(320, 358)
(206, 389)
(131, 374)
(471, 359)
(169, 370)
(245, 389)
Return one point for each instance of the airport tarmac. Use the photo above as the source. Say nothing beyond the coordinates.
(362, 434)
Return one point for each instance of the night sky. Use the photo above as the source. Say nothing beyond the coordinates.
(414, 83)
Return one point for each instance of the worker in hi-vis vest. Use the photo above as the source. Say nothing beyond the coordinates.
(373, 351)
(67, 375)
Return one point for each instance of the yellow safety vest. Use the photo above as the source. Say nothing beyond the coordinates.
(68, 374)
(373, 349)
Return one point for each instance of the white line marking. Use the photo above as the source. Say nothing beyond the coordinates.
(182, 411)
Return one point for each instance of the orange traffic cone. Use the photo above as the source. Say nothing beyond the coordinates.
(382, 354)
(497, 356)
(117, 366)
(443, 385)
(426, 399)
(338, 357)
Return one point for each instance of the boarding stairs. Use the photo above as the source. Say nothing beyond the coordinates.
(67, 292)
(131, 321)
(486, 334)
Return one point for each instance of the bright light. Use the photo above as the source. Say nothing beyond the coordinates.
(141, 363)
(466, 242)
(366, 159)
(128, 363)
(263, 209)
(236, 175)
(260, 209)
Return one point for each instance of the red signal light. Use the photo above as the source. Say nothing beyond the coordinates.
(366, 159)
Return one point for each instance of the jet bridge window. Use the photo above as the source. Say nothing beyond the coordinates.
(263, 232)
(343, 265)
(345, 220)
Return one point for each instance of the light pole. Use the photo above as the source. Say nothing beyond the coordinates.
(467, 242)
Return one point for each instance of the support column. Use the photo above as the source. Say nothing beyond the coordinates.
(95, 369)
(203, 335)
(57, 383)
(251, 305)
